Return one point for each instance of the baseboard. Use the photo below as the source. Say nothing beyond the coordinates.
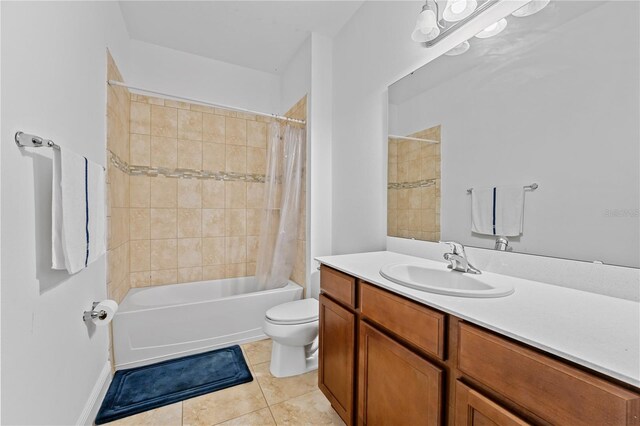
(92, 405)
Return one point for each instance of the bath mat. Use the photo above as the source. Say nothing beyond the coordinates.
(144, 388)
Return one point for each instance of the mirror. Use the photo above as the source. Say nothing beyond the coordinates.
(553, 100)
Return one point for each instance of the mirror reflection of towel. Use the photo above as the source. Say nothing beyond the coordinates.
(497, 210)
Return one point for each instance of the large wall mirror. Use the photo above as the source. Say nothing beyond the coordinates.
(552, 100)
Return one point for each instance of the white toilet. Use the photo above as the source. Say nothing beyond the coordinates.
(293, 327)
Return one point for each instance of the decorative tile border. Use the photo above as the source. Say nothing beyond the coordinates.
(133, 170)
(417, 184)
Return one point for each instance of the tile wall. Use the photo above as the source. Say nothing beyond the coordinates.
(413, 189)
(118, 104)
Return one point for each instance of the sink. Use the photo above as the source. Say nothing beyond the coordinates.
(441, 280)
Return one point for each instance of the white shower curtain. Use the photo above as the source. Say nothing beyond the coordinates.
(281, 209)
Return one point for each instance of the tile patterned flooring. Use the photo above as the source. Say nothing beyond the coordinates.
(266, 400)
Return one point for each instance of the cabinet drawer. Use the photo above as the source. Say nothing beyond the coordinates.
(554, 391)
(411, 321)
(341, 287)
(474, 409)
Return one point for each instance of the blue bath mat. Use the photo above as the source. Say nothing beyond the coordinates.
(144, 388)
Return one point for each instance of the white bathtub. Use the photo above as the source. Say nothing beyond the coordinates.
(164, 322)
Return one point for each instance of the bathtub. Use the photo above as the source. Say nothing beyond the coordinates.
(164, 322)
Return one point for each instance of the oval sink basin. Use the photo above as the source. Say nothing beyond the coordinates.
(445, 281)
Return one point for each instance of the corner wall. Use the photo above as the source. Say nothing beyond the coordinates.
(53, 85)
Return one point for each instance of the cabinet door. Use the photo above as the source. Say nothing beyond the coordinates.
(396, 386)
(473, 409)
(336, 363)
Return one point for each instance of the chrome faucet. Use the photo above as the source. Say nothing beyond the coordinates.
(458, 259)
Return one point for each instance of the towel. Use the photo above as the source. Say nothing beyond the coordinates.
(78, 210)
(497, 210)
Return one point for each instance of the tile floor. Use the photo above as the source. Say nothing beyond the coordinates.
(266, 400)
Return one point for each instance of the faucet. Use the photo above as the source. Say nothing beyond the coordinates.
(458, 259)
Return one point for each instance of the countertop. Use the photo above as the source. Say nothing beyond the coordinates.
(599, 332)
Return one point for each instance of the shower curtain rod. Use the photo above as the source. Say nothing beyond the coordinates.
(201, 102)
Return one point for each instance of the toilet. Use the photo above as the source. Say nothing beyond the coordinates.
(293, 328)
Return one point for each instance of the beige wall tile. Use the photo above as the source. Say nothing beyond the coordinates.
(214, 157)
(213, 251)
(189, 223)
(140, 194)
(164, 152)
(167, 276)
(176, 104)
(213, 272)
(140, 154)
(236, 159)
(164, 192)
(164, 121)
(189, 275)
(235, 249)
(235, 195)
(119, 226)
(252, 248)
(213, 128)
(140, 279)
(233, 270)
(140, 121)
(189, 125)
(256, 160)
(255, 195)
(164, 254)
(254, 219)
(236, 131)
(140, 256)
(202, 108)
(189, 193)
(140, 222)
(163, 223)
(251, 269)
(256, 134)
(189, 154)
(213, 194)
(213, 222)
(189, 252)
(235, 222)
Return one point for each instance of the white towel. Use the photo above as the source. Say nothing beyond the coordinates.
(78, 211)
(497, 211)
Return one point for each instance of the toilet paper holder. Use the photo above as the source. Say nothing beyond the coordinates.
(92, 314)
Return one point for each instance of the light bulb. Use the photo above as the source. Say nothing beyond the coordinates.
(493, 29)
(426, 27)
(459, 49)
(534, 6)
(457, 10)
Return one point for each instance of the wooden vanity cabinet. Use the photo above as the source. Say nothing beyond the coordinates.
(396, 386)
(385, 359)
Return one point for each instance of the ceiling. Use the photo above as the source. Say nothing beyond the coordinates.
(488, 55)
(263, 35)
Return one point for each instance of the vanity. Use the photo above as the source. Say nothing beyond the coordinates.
(392, 354)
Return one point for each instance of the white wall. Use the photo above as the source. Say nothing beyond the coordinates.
(555, 116)
(373, 50)
(183, 74)
(53, 85)
(295, 81)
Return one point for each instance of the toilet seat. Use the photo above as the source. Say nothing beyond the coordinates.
(297, 312)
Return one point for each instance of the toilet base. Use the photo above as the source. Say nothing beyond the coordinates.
(289, 361)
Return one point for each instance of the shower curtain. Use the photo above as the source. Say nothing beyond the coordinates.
(281, 208)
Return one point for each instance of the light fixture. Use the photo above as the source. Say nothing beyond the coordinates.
(493, 29)
(534, 6)
(427, 24)
(457, 10)
(459, 49)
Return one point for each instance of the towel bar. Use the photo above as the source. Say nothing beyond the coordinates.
(25, 140)
(532, 187)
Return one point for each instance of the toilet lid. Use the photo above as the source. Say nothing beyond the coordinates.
(297, 312)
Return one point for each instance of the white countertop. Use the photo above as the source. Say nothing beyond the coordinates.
(596, 331)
